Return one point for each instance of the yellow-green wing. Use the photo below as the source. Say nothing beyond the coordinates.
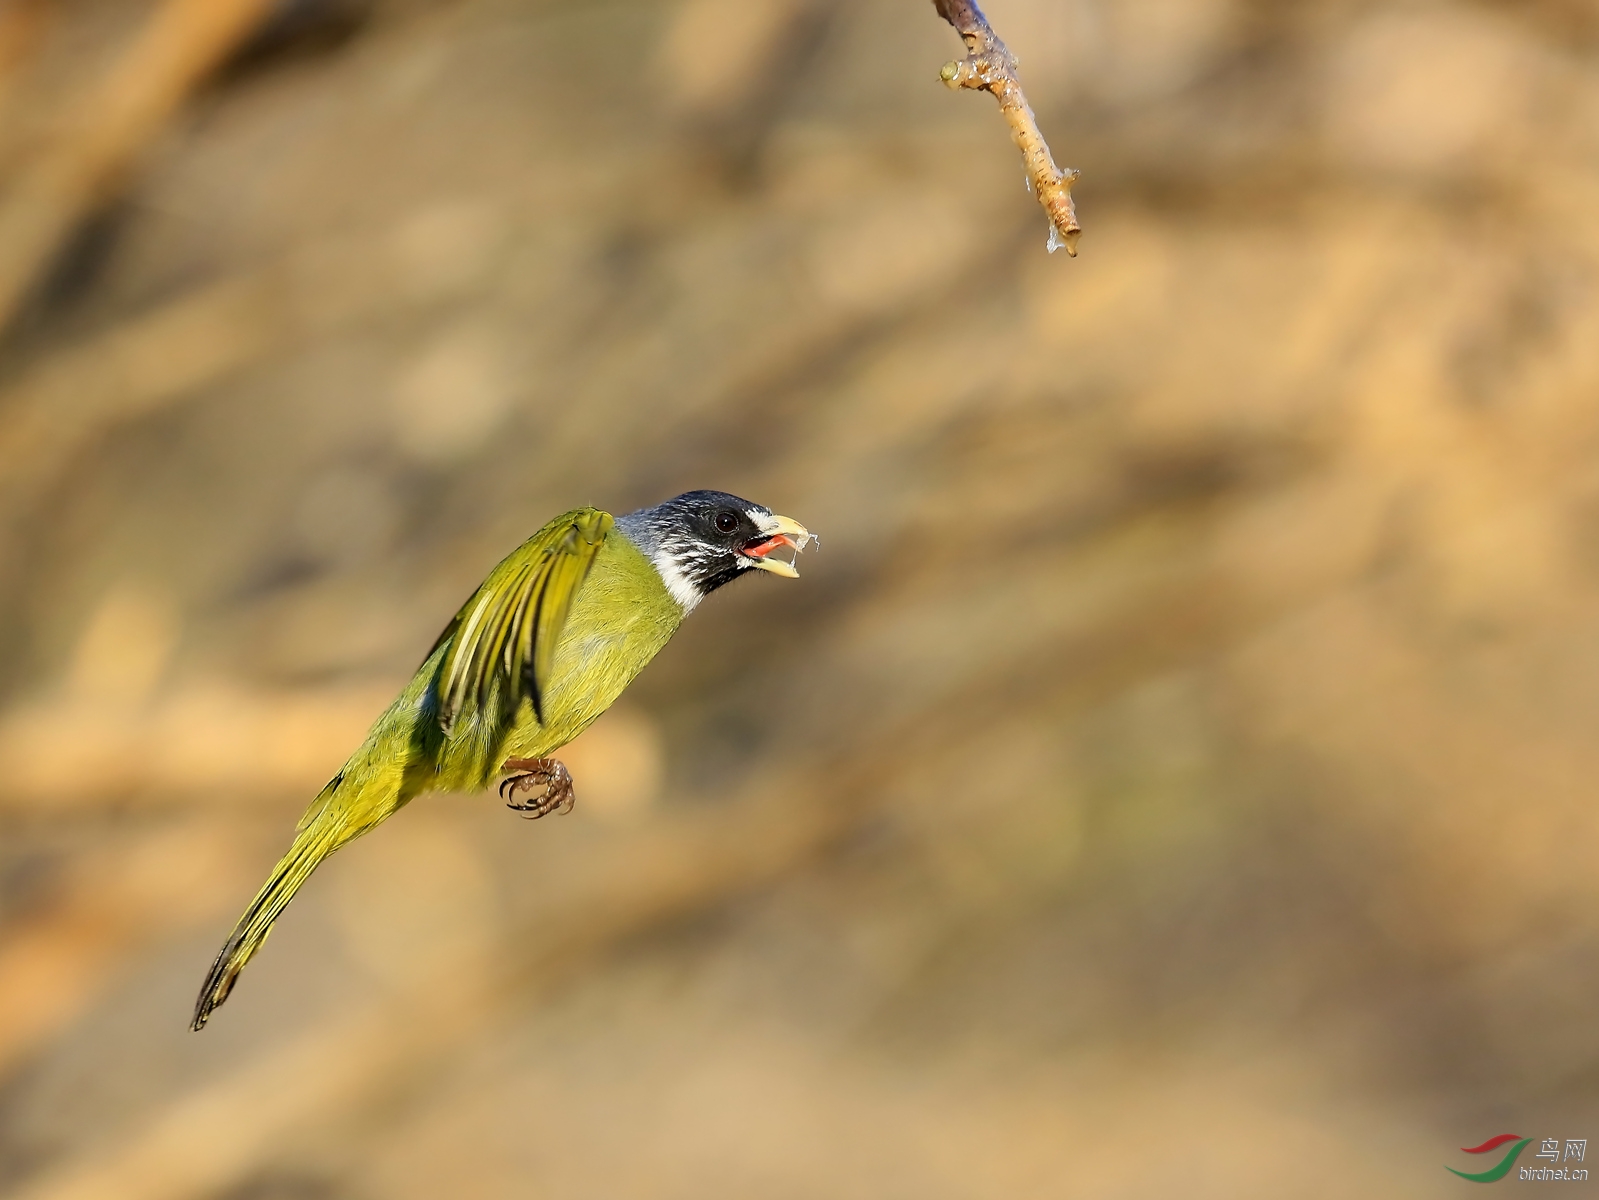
(502, 643)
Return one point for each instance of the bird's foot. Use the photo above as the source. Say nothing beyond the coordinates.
(546, 777)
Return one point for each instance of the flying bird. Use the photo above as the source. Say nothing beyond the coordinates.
(543, 647)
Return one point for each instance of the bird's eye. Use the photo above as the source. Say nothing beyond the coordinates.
(726, 521)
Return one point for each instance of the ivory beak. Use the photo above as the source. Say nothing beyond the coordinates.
(781, 531)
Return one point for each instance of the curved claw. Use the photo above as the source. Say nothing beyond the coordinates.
(545, 775)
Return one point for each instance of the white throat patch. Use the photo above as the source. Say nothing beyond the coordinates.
(677, 583)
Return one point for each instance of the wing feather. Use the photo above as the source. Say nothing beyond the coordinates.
(502, 642)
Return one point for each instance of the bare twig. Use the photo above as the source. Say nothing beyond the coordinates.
(990, 67)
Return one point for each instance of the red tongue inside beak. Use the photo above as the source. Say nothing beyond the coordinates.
(762, 548)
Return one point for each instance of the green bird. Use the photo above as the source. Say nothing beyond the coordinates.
(543, 647)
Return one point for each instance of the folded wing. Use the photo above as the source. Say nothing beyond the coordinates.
(502, 642)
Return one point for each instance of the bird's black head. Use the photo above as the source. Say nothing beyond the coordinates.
(700, 540)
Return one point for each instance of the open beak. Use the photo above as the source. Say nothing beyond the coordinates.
(776, 532)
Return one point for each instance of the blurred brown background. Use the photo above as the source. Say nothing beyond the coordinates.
(1174, 776)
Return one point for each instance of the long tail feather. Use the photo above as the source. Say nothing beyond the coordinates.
(320, 834)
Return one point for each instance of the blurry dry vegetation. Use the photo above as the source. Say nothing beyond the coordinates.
(1173, 778)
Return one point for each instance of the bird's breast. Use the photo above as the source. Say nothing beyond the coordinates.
(620, 619)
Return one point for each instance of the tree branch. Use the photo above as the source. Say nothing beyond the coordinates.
(990, 67)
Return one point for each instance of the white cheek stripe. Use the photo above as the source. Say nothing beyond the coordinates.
(677, 583)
